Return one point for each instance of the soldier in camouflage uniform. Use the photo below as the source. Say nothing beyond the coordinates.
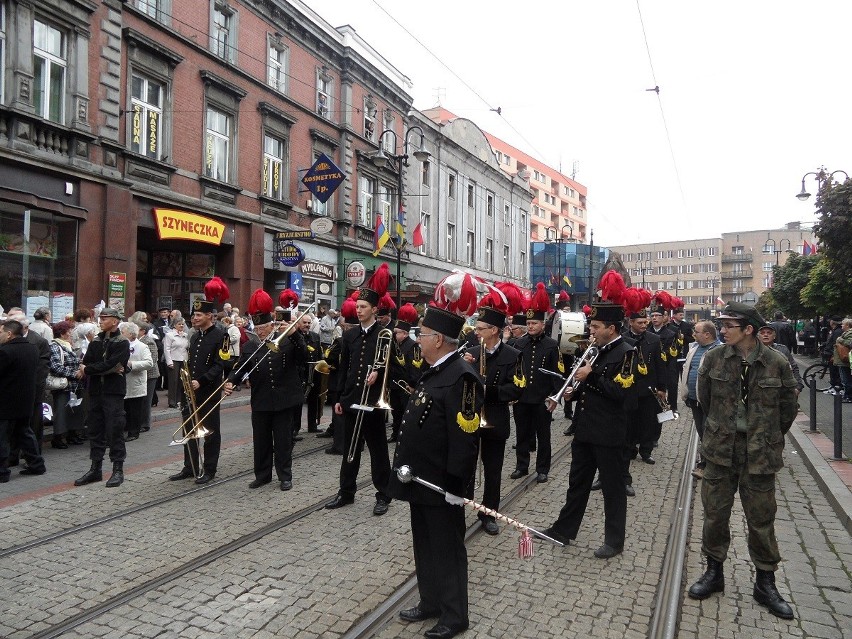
(747, 391)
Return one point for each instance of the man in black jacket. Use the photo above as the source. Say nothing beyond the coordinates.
(604, 396)
(403, 372)
(104, 364)
(18, 365)
(276, 394)
(438, 443)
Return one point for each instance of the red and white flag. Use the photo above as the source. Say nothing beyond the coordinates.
(719, 300)
(417, 235)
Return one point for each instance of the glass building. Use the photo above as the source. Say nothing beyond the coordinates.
(566, 266)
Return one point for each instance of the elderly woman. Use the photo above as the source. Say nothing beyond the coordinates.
(148, 336)
(136, 373)
(64, 363)
(175, 344)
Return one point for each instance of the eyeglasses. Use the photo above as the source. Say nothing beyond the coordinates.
(732, 326)
(428, 334)
(479, 329)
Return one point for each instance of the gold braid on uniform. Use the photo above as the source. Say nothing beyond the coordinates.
(641, 367)
(561, 365)
(225, 351)
(326, 353)
(400, 356)
(519, 379)
(663, 356)
(468, 418)
(311, 349)
(625, 375)
(680, 339)
(417, 356)
(673, 350)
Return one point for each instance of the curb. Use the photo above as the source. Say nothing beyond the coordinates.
(838, 494)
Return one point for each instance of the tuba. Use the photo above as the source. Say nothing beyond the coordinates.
(381, 358)
(197, 431)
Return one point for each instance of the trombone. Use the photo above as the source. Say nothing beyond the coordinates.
(381, 358)
(589, 356)
(272, 345)
(198, 431)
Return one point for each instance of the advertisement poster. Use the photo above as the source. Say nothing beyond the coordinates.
(61, 304)
(117, 291)
(35, 300)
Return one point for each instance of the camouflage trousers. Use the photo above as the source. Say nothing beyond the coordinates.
(757, 495)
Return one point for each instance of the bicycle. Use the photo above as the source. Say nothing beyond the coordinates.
(818, 374)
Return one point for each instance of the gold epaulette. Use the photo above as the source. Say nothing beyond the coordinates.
(663, 356)
(680, 339)
(519, 377)
(326, 352)
(468, 417)
(642, 369)
(625, 375)
(417, 362)
(311, 349)
(561, 364)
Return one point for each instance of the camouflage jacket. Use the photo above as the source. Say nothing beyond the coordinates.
(771, 407)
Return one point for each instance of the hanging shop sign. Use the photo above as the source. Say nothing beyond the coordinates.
(323, 178)
(355, 274)
(180, 225)
(318, 271)
(322, 225)
(289, 254)
(294, 235)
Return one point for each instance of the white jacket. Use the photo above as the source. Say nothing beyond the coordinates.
(138, 365)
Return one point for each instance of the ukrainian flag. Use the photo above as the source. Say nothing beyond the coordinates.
(399, 232)
(381, 236)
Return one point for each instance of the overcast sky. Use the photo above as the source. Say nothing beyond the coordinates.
(755, 93)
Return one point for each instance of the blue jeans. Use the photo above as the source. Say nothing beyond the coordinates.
(846, 380)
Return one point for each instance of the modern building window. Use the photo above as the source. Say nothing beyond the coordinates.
(489, 204)
(471, 194)
(274, 160)
(425, 225)
(277, 64)
(218, 140)
(451, 243)
(49, 65)
(223, 32)
(424, 173)
(146, 129)
(324, 93)
(680, 253)
(767, 267)
(470, 248)
(711, 251)
(366, 205)
(689, 268)
(489, 256)
(451, 185)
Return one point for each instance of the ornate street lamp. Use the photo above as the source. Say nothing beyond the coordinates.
(821, 176)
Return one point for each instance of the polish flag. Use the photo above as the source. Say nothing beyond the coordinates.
(719, 300)
(417, 235)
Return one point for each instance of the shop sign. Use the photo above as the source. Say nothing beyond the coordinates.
(355, 274)
(322, 225)
(318, 271)
(294, 235)
(289, 254)
(180, 225)
(323, 178)
(116, 291)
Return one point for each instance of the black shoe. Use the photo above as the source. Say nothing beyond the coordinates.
(490, 526)
(59, 442)
(129, 438)
(13, 461)
(333, 451)
(596, 485)
(145, 429)
(4, 479)
(766, 594)
(117, 477)
(74, 439)
(569, 431)
(555, 534)
(381, 507)
(391, 439)
(416, 614)
(648, 459)
(94, 474)
(185, 473)
(629, 490)
(206, 478)
(297, 438)
(713, 580)
(257, 483)
(519, 473)
(29, 470)
(339, 502)
(541, 478)
(325, 434)
(441, 631)
(606, 551)
(286, 485)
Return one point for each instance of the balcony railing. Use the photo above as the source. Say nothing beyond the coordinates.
(737, 257)
(737, 275)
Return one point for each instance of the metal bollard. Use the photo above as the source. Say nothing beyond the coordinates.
(813, 397)
(838, 431)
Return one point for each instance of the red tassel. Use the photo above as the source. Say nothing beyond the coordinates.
(387, 302)
(348, 312)
(514, 297)
(564, 297)
(540, 300)
(525, 545)
(587, 309)
(612, 287)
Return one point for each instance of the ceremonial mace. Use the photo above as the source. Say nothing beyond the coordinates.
(524, 547)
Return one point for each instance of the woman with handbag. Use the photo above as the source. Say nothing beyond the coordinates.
(64, 387)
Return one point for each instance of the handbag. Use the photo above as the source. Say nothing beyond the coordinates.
(53, 382)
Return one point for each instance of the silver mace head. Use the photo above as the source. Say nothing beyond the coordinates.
(404, 474)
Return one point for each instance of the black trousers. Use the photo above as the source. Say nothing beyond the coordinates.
(440, 560)
(273, 442)
(133, 409)
(492, 450)
(18, 430)
(373, 433)
(398, 402)
(212, 442)
(643, 430)
(106, 427)
(585, 460)
(673, 379)
(314, 406)
(532, 421)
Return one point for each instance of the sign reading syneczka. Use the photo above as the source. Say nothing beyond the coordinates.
(289, 254)
(323, 178)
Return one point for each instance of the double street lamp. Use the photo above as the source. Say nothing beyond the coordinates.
(770, 247)
(397, 163)
(644, 267)
(821, 176)
(713, 283)
(559, 238)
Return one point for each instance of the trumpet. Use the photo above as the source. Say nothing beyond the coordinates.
(198, 431)
(381, 358)
(403, 386)
(589, 357)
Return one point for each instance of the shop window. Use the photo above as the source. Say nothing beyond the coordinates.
(223, 31)
(217, 145)
(147, 101)
(274, 160)
(324, 92)
(278, 60)
(49, 66)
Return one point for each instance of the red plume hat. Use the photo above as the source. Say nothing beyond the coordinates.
(260, 307)
(376, 286)
(406, 317)
(539, 303)
(215, 292)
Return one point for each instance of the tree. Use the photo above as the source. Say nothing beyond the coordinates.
(787, 284)
(834, 229)
(825, 291)
(766, 305)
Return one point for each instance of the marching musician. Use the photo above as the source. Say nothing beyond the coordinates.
(206, 371)
(312, 387)
(403, 371)
(276, 392)
(533, 412)
(668, 348)
(504, 383)
(603, 396)
(683, 331)
(438, 441)
(516, 329)
(357, 385)
(383, 314)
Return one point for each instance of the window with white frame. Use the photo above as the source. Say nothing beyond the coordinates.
(370, 118)
(506, 159)
(146, 128)
(223, 33)
(451, 185)
(679, 269)
(767, 280)
(49, 62)
(450, 249)
(523, 223)
(387, 196)
(277, 69)
(218, 145)
(148, 7)
(711, 268)
(366, 205)
(767, 267)
(489, 256)
(507, 213)
(424, 231)
(660, 254)
(470, 248)
(389, 141)
(499, 157)
(523, 261)
(711, 251)
(471, 194)
(489, 204)
(690, 268)
(324, 87)
(680, 253)
(424, 173)
(274, 158)
(505, 260)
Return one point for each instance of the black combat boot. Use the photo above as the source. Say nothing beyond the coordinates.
(766, 594)
(94, 474)
(711, 581)
(117, 475)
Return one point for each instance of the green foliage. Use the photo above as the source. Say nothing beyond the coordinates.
(826, 291)
(834, 229)
(788, 282)
(766, 305)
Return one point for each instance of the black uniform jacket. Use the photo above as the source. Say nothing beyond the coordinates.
(106, 353)
(357, 354)
(431, 441)
(314, 352)
(683, 336)
(18, 364)
(275, 382)
(539, 352)
(500, 387)
(648, 353)
(402, 368)
(668, 344)
(600, 416)
(205, 365)
(331, 355)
